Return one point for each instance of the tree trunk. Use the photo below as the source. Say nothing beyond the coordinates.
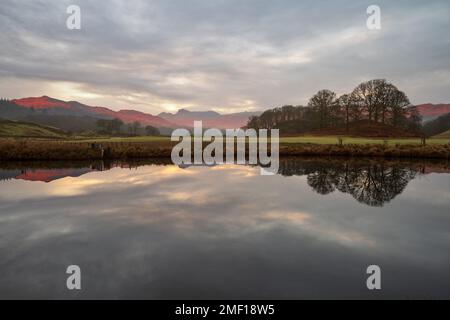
(346, 119)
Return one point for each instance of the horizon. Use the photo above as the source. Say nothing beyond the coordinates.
(162, 57)
(131, 108)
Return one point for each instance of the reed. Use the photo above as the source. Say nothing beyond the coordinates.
(30, 149)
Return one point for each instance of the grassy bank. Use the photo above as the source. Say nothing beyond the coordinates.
(133, 148)
(292, 140)
(360, 141)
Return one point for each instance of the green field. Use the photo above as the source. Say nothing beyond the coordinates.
(122, 139)
(292, 140)
(17, 129)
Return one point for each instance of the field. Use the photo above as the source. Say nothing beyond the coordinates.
(29, 130)
(121, 139)
(26, 141)
(25, 130)
(324, 140)
(445, 135)
(358, 141)
(161, 147)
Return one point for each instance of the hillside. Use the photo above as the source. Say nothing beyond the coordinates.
(444, 135)
(75, 116)
(53, 107)
(430, 111)
(25, 129)
(438, 125)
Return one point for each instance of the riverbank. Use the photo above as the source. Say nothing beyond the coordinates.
(27, 149)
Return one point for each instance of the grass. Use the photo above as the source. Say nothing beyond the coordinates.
(20, 129)
(121, 139)
(160, 147)
(29, 130)
(444, 135)
(52, 146)
(358, 141)
(322, 140)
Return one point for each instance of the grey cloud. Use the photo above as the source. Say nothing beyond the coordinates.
(226, 54)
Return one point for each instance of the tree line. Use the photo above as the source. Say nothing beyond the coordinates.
(118, 127)
(375, 100)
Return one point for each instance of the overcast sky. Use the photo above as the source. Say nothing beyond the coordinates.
(225, 55)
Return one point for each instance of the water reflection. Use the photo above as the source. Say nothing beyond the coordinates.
(48, 171)
(150, 230)
(372, 182)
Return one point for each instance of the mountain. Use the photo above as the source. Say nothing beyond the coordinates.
(75, 116)
(439, 125)
(432, 111)
(56, 107)
(210, 119)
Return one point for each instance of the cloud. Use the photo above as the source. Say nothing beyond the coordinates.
(162, 232)
(224, 55)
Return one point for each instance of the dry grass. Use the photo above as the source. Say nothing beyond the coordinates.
(435, 151)
(30, 149)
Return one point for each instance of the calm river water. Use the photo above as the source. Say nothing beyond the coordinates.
(151, 230)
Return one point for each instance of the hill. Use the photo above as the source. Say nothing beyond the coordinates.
(75, 116)
(438, 125)
(25, 129)
(54, 107)
(430, 111)
(444, 135)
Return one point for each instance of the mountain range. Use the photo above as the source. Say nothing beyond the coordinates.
(75, 108)
(76, 116)
(210, 119)
(34, 108)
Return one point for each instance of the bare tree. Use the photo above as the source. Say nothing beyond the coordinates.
(322, 103)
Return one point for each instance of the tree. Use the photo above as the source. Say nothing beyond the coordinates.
(151, 131)
(345, 104)
(136, 125)
(107, 126)
(369, 96)
(253, 122)
(376, 100)
(102, 126)
(116, 125)
(322, 103)
(398, 106)
(414, 120)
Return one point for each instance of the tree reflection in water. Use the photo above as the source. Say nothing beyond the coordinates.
(372, 182)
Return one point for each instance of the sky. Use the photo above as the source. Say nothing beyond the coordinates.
(222, 55)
